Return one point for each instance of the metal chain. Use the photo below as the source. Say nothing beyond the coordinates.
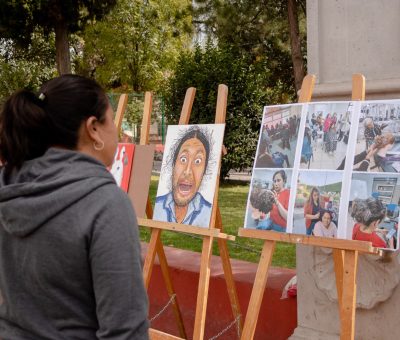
(236, 321)
(164, 308)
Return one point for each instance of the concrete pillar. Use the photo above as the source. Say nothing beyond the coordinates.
(354, 36)
(378, 296)
(346, 37)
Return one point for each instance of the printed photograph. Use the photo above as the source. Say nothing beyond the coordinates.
(373, 213)
(278, 137)
(189, 173)
(268, 201)
(122, 166)
(316, 210)
(378, 137)
(326, 136)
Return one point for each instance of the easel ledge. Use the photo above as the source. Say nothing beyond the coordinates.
(361, 246)
(184, 228)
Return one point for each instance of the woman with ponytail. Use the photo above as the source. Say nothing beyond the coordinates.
(70, 263)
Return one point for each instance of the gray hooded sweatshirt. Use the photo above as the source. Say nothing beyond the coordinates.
(70, 263)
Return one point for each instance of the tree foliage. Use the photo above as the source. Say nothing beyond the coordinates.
(247, 81)
(28, 67)
(258, 28)
(137, 43)
(19, 19)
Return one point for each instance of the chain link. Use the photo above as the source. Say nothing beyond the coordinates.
(164, 308)
(236, 321)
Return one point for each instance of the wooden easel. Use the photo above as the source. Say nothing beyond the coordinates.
(215, 231)
(345, 252)
(148, 210)
(140, 175)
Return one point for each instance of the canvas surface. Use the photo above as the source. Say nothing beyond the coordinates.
(189, 173)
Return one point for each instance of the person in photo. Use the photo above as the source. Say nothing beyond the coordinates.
(190, 161)
(261, 201)
(312, 210)
(325, 227)
(371, 131)
(278, 214)
(331, 139)
(368, 214)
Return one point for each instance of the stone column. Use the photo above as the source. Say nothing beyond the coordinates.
(346, 37)
(354, 36)
(378, 296)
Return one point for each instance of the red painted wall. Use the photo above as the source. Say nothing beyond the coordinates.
(277, 319)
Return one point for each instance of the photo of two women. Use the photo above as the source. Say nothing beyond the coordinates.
(316, 210)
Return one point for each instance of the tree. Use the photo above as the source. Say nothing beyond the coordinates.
(248, 93)
(28, 67)
(137, 43)
(260, 28)
(295, 42)
(19, 19)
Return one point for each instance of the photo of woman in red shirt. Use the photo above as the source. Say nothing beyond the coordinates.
(368, 213)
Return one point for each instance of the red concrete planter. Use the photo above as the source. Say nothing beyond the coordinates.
(278, 318)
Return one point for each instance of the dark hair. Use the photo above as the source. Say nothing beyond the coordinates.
(193, 132)
(262, 199)
(282, 173)
(323, 212)
(30, 124)
(311, 200)
(368, 210)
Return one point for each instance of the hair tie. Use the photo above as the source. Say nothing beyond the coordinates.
(42, 96)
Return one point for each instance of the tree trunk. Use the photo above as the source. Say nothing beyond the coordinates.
(297, 58)
(62, 48)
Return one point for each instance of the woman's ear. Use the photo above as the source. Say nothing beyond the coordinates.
(91, 128)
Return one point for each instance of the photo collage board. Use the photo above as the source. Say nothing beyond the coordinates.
(328, 169)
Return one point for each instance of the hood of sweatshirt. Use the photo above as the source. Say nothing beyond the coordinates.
(46, 186)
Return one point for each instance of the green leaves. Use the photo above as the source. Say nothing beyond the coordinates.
(138, 42)
(250, 88)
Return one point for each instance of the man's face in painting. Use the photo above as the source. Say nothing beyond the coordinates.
(188, 171)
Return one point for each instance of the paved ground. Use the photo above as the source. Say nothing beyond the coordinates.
(324, 160)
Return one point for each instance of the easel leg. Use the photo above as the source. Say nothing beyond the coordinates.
(202, 290)
(155, 247)
(230, 282)
(150, 256)
(338, 262)
(348, 310)
(258, 291)
(170, 289)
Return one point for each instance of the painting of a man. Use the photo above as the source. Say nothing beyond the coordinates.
(190, 161)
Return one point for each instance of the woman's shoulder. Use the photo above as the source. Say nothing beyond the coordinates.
(318, 225)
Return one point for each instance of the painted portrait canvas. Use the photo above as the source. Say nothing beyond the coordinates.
(122, 165)
(189, 174)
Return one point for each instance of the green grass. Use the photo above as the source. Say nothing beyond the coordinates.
(232, 202)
